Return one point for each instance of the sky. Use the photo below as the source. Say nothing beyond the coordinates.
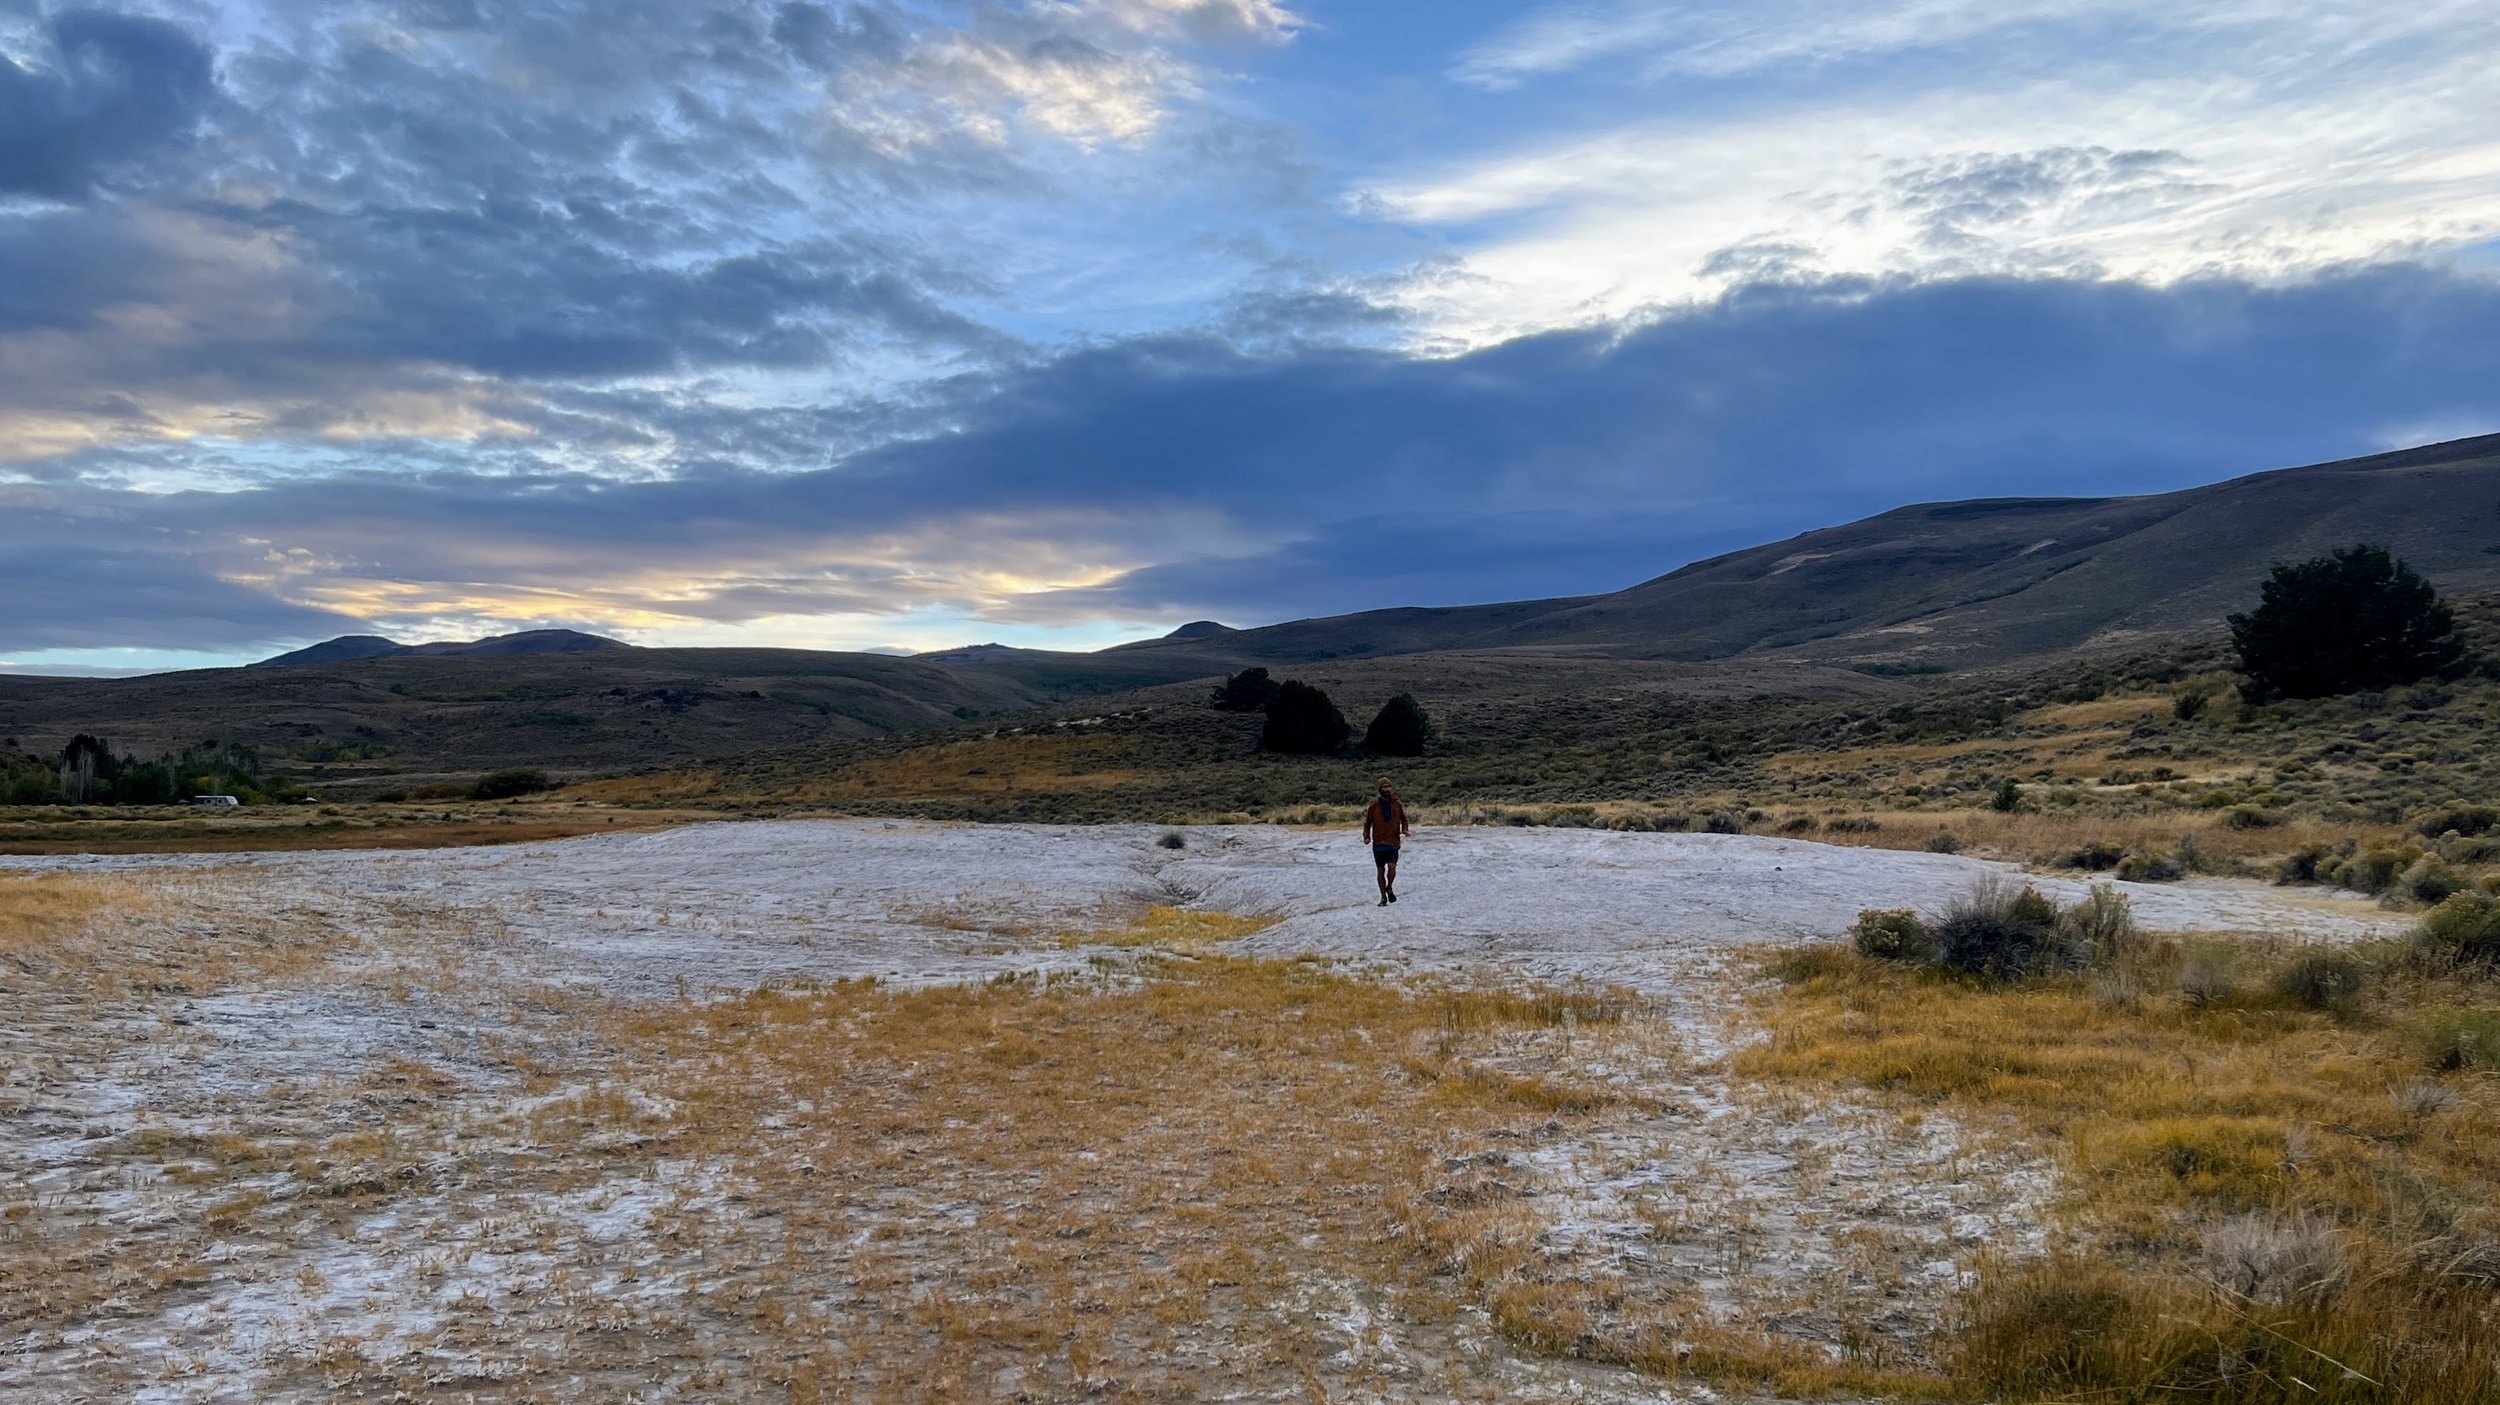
(908, 324)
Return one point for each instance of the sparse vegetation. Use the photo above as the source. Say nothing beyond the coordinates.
(2252, 1216)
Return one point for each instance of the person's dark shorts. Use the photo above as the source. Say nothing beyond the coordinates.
(1384, 853)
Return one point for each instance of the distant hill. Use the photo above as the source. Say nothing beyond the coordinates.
(1935, 587)
(349, 647)
(340, 650)
(1967, 583)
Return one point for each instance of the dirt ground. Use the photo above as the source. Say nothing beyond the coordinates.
(873, 1110)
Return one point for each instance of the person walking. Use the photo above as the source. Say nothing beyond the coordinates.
(1384, 827)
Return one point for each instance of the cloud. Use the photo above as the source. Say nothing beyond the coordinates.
(1728, 38)
(101, 89)
(1166, 478)
(420, 220)
(1943, 138)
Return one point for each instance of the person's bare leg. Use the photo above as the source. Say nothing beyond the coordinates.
(1380, 875)
(1389, 880)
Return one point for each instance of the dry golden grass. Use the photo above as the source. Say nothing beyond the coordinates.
(2027, 836)
(2172, 1117)
(112, 936)
(1173, 928)
(1065, 1189)
(42, 912)
(988, 766)
(661, 788)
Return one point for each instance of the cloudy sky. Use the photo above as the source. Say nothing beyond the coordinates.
(911, 323)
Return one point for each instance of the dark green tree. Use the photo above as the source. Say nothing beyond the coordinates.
(1246, 691)
(1302, 719)
(1400, 729)
(2353, 619)
(505, 785)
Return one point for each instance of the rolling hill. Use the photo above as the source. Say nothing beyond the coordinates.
(1928, 588)
(1970, 583)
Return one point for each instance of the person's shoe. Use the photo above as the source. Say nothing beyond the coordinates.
(1393, 897)
(1384, 900)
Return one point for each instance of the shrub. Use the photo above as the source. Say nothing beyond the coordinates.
(1399, 729)
(1302, 720)
(2323, 980)
(389, 797)
(1855, 824)
(1246, 691)
(1942, 842)
(2209, 974)
(2093, 857)
(2457, 1040)
(2306, 864)
(2373, 870)
(2260, 1258)
(2463, 930)
(2102, 920)
(2003, 930)
(504, 785)
(440, 791)
(1173, 839)
(2423, 1097)
(1723, 822)
(2191, 855)
(1894, 934)
(2353, 619)
(2009, 796)
(2187, 707)
(1797, 824)
(2428, 880)
(2468, 820)
(2141, 866)
(2251, 817)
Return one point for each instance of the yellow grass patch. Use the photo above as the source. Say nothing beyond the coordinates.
(41, 912)
(1174, 928)
(127, 935)
(664, 788)
(2100, 712)
(2173, 1119)
(1171, 1187)
(989, 766)
(2029, 835)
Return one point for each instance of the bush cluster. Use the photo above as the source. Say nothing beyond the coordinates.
(509, 784)
(2001, 930)
(2323, 980)
(2463, 930)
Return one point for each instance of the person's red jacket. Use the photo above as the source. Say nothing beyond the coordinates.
(1384, 821)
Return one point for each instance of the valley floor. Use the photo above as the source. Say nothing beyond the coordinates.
(871, 1109)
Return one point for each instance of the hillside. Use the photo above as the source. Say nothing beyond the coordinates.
(1952, 585)
(417, 713)
(1932, 588)
(350, 647)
